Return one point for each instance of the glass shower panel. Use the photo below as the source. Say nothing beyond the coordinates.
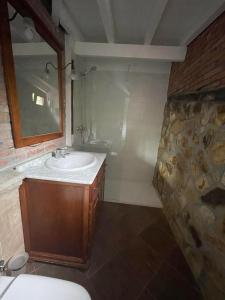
(122, 113)
(106, 106)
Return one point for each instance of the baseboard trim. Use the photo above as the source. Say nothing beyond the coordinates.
(159, 205)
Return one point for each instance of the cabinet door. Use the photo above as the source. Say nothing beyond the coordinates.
(52, 218)
(97, 196)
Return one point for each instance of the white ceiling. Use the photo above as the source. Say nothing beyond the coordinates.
(182, 17)
(170, 22)
(85, 14)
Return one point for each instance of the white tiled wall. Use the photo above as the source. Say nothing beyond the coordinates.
(125, 110)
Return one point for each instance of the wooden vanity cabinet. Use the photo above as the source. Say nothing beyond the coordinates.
(59, 219)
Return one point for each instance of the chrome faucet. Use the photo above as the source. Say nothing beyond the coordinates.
(81, 130)
(61, 152)
(2, 266)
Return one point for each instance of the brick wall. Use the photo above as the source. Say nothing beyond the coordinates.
(9, 156)
(204, 66)
(11, 234)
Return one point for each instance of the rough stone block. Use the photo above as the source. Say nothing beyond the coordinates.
(214, 197)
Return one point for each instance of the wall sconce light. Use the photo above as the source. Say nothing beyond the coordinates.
(29, 27)
(47, 71)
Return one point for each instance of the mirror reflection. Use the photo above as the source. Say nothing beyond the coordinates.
(36, 72)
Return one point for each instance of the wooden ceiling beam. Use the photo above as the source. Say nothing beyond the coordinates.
(159, 53)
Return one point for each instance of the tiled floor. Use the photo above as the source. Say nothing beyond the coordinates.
(134, 257)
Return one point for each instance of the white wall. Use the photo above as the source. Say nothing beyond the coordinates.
(123, 111)
(68, 56)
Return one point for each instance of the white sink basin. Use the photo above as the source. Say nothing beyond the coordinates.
(71, 162)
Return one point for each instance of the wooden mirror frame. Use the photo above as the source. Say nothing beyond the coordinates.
(55, 38)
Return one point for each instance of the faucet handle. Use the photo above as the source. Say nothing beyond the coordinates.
(62, 148)
(2, 265)
(61, 152)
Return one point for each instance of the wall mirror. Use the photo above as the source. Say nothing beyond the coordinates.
(33, 69)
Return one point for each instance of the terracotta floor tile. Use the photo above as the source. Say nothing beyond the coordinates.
(169, 285)
(117, 280)
(130, 248)
(178, 262)
(161, 242)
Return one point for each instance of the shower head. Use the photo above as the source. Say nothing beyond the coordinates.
(84, 74)
(93, 68)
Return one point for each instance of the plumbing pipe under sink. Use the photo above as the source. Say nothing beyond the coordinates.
(26, 287)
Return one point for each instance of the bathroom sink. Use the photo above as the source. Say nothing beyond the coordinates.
(72, 162)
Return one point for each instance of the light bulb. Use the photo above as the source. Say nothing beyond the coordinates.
(29, 30)
(29, 34)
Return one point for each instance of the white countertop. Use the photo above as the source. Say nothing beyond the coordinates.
(37, 169)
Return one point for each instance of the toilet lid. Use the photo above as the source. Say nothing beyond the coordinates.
(4, 283)
(26, 287)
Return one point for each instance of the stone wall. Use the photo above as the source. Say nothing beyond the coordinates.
(190, 178)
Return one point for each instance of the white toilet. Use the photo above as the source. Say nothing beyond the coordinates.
(26, 287)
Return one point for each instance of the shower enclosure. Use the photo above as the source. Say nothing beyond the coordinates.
(120, 113)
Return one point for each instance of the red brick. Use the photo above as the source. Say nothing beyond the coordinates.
(34, 151)
(6, 144)
(4, 108)
(205, 62)
(4, 117)
(6, 152)
(5, 134)
(3, 163)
